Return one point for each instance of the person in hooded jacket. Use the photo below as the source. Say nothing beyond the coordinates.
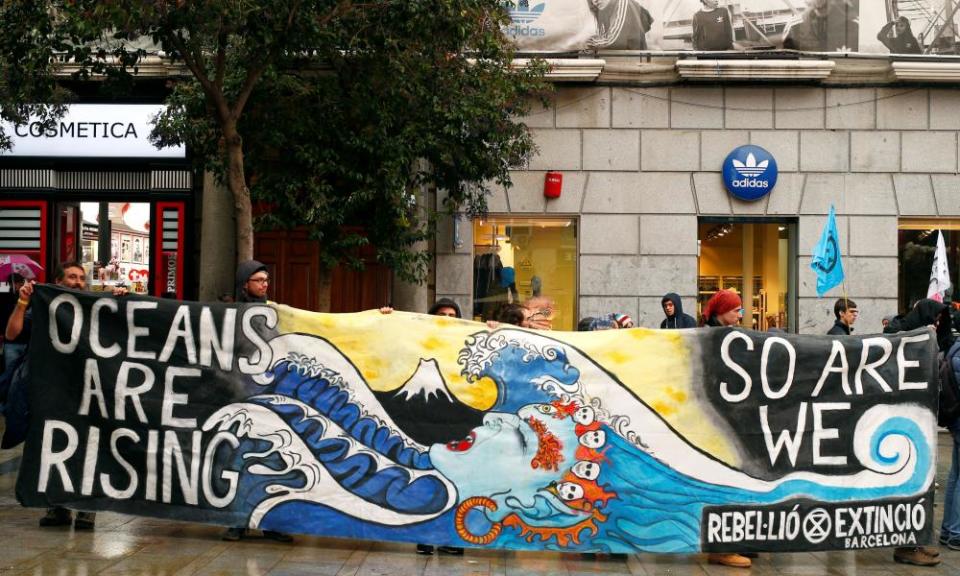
(253, 282)
(675, 317)
(926, 312)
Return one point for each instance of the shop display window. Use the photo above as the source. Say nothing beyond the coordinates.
(526, 260)
(761, 251)
(115, 245)
(916, 244)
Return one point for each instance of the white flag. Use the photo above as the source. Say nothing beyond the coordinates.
(940, 273)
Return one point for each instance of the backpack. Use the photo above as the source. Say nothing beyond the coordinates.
(949, 389)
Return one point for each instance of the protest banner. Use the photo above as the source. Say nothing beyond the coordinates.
(419, 428)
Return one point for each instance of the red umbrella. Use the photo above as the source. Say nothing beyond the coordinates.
(18, 264)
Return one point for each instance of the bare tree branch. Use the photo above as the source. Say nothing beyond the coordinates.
(212, 91)
(254, 74)
(220, 65)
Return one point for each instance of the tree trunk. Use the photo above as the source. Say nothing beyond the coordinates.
(324, 288)
(237, 183)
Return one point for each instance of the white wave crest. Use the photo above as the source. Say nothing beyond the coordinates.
(483, 348)
(315, 357)
(260, 423)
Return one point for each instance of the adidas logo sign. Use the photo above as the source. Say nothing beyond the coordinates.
(746, 177)
(751, 168)
(522, 13)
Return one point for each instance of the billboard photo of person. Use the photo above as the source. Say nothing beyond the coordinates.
(898, 37)
(826, 26)
(712, 27)
(621, 25)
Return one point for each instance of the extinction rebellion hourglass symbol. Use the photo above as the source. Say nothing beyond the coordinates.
(827, 264)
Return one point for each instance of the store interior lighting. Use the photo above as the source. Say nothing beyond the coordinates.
(718, 231)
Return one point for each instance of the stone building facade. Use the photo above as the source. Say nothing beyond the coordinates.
(641, 167)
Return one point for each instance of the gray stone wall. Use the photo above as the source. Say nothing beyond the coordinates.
(642, 164)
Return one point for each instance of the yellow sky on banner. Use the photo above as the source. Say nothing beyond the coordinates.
(654, 364)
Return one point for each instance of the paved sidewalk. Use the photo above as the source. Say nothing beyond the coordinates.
(126, 545)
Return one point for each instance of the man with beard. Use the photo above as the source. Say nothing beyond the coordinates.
(253, 282)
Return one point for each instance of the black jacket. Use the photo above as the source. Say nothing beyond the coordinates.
(926, 313)
(839, 329)
(679, 319)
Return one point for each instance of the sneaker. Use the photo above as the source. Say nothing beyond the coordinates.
(85, 521)
(233, 534)
(914, 556)
(277, 536)
(425, 549)
(56, 516)
(951, 542)
(731, 560)
(450, 550)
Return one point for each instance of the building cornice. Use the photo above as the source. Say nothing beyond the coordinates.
(755, 70)
(912, 71)
(843, 70)
(568, 69)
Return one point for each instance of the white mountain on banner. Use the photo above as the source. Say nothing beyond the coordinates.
(426, 380)
(426, 410)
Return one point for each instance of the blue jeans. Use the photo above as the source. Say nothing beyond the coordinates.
(12, 352)
(951, 499)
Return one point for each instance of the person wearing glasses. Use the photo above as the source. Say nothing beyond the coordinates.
(846, 312)
(253, 282)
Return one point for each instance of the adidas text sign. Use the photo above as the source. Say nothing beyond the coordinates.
(749, 172)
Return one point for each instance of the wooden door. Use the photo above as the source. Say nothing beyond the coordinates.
(294, 262)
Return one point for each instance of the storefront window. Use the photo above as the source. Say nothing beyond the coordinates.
(760, 251)
(524, 259)
(917, 241)
(114, 243)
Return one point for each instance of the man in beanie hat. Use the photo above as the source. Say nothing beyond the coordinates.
(253, 280)
(723, 309)
(622, 320)
(253, 283)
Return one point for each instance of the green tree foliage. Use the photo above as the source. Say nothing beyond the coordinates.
(28, 50)
(333, 114)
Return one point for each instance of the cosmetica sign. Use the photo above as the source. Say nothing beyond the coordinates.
(749, 172)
